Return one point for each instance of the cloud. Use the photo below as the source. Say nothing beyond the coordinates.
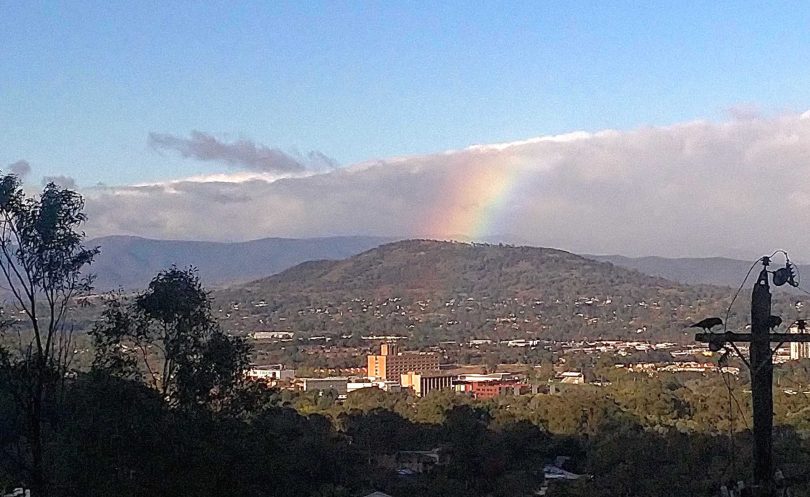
(243, 154)
(62, 181)
(745, 111)
(21, 168)
(738, 188)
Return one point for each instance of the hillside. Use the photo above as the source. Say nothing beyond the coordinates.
(447, 290)
(710, 270)
(131, 262)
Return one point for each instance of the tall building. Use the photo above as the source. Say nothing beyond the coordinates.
(391, 364)
(798, 350)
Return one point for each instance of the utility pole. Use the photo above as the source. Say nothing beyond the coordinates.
(761, 369)
(762, 383)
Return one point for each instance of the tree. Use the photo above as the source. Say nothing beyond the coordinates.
(169, 337)
(41, 260)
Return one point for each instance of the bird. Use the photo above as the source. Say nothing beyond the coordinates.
(708, 323)
(774, 321)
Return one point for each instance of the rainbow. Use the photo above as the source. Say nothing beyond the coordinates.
(474, 205)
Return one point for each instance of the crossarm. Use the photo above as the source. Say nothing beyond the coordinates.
(730, 336)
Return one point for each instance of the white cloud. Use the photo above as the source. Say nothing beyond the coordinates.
(697, 188)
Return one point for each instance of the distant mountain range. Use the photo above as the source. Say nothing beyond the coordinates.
(131, 262)
(712, 271)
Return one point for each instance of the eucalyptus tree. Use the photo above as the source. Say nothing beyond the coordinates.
(168, 337)
(42, 258)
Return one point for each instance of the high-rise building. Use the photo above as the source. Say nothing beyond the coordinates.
(391, 364)
(798, 350)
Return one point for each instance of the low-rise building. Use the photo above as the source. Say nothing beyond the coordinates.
(571, 378)
(490, 377)
(337, 383)
(387, 386)
(425, 382)
(411, 462)
(271, 373)
(492, 389)
(272, 335)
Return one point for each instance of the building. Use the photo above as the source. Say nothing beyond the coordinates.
(571, 378)
(425, 382)
(798, 350)
(488, 386)
(490, 377)
(411, 462)
(337, 383)
(492, 389)
(387, 386)
(391, 364)
(271, 373)
(272, 335)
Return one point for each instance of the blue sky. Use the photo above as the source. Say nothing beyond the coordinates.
(82, 84)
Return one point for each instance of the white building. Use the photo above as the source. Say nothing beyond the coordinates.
(272, 335)
(273, 372)
(475, 377)
(571, 378)
(798, 350)
(387, 386)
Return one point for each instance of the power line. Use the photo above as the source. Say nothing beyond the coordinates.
(737, 293)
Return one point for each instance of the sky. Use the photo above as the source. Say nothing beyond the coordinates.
(670, 128)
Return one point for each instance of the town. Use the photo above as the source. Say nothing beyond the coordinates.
(393, 369)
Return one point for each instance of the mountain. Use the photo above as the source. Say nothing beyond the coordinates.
(711, 271)
(455, 290)
(131, 262)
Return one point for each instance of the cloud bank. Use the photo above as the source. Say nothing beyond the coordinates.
(740, 188)
(242, 154)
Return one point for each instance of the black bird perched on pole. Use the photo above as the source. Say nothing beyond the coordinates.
(774, 321)
(708, 323)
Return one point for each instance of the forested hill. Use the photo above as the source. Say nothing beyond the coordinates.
(423, 267)
(456, 290)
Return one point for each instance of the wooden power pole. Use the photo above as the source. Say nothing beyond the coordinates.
(761, 368)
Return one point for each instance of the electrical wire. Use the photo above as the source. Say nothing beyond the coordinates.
(737, 293)
(795, 267)
(732, 449)
(803, 290)
(734, 397)
(732, 446)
